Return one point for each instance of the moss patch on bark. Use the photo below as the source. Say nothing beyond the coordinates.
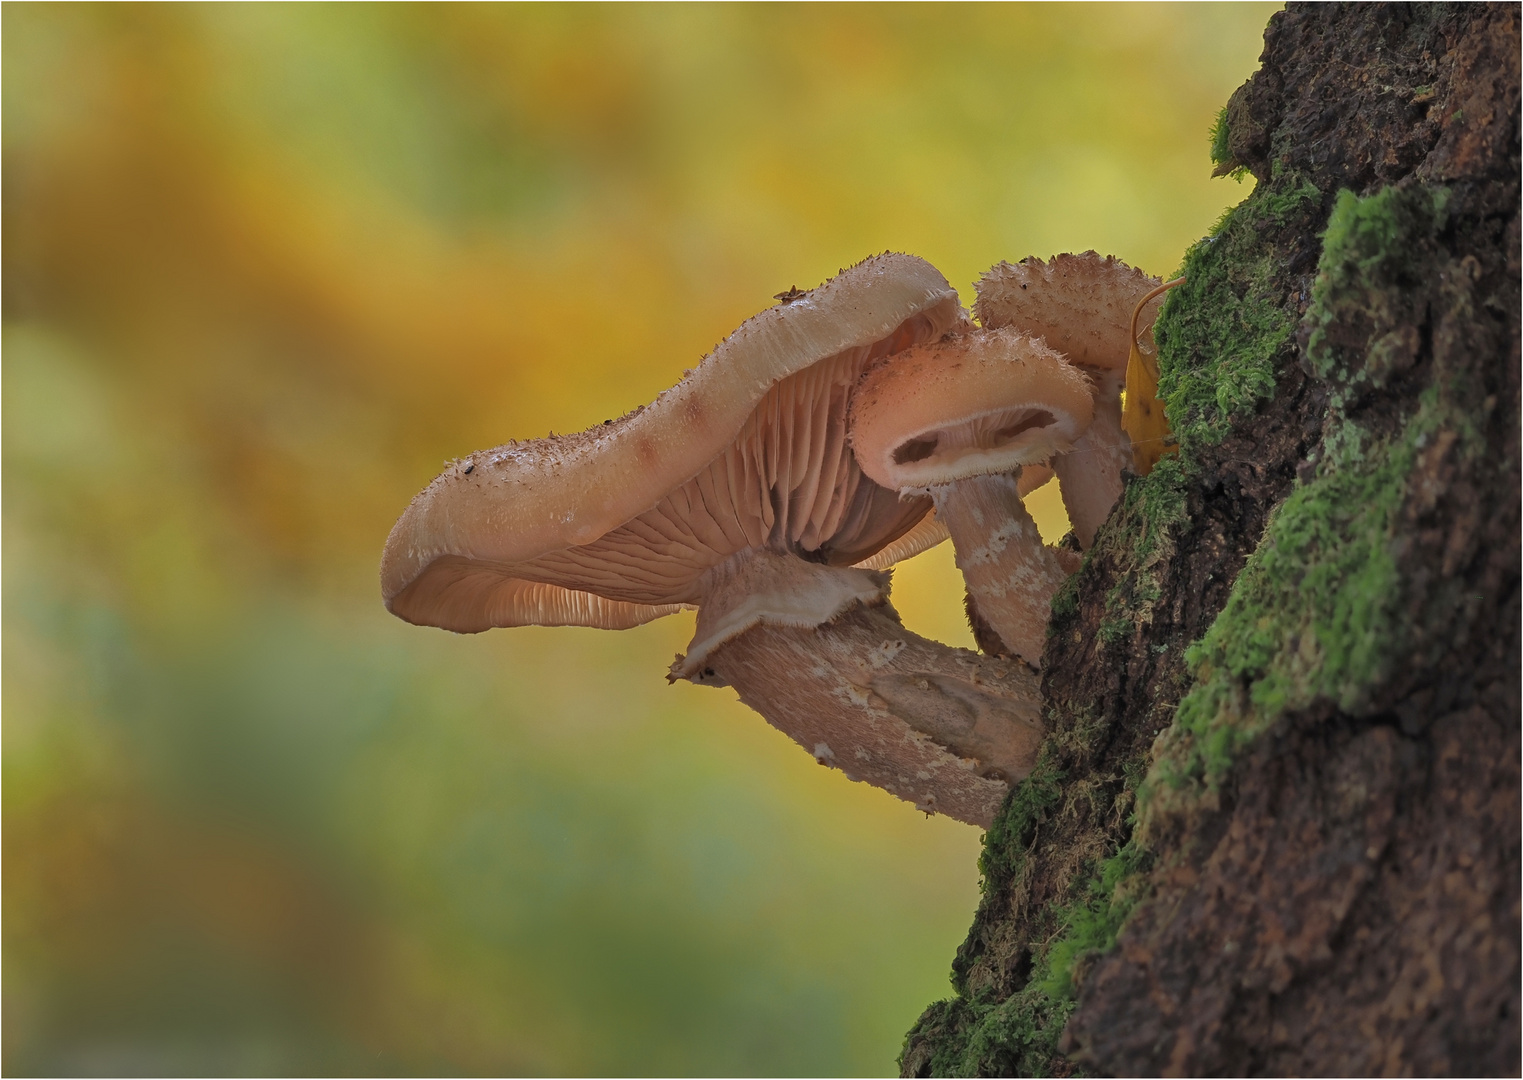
(1221, 336)
(1281, 691)
(1316, 612)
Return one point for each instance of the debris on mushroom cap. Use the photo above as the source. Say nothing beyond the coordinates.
(1081, 305)
(971, 405)
(615, 525)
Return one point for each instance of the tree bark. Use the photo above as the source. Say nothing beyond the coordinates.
(1274, 828)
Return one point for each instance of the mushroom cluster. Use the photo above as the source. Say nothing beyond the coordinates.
(1037, 386)
(771, 487)
(1082, 306)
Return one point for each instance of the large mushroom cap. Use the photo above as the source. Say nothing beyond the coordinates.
(971, 405)
(1081, 305)
(615, 525)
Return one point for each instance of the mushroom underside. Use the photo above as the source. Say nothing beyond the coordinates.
(788, 481)
(748, 449)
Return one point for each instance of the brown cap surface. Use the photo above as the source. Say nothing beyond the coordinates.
(615, 525)
(1081, 305)
(971, 405)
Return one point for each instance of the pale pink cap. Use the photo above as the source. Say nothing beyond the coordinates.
(615, 526)
(975, 404)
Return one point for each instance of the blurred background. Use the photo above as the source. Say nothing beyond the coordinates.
(265, 268)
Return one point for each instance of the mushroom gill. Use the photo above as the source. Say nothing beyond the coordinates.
(736, 492)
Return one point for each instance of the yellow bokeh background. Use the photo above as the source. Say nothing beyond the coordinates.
(266, 268)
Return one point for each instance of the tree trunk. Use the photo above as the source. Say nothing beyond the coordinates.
(1275, 827)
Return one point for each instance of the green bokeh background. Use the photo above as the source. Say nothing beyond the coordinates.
(266, 267)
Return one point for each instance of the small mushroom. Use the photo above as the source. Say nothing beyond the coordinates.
(1082, 306)
(736, 493)
(959, 419)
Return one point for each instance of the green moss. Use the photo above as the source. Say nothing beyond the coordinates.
(1317, 612)
(1220, 137)
(1151, 510)
(1286, 196)
(1221, 333)
(1314, 615)
(1372, 263)
(1129, 605)
(1009, 837)
(981, 1037)
(1305, 616)
(973, 1034)
(976, 1035)
(1115, 627)
(1311, 615)
(1090, 926)
(1066, 602)
(1158, 505)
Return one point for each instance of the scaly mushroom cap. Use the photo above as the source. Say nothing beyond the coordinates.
(972, 405)
(1081, 305)
(615, 526)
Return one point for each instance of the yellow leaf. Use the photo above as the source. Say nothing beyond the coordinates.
(1142, 416)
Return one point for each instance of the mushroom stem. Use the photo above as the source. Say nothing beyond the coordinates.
(943, 728)
(1090, 474)
(1011, 576)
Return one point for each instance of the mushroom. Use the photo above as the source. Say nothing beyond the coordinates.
(1082, 306)
(931, 531)
(958, 419)
(735, 492)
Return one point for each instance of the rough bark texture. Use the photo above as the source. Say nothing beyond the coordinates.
(1274, 828)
